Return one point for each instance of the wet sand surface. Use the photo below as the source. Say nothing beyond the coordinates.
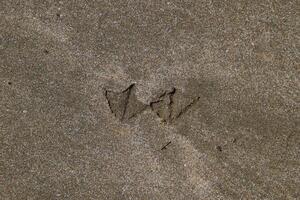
(151, 99)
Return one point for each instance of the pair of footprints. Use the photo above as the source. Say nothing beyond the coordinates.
(169, 106)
